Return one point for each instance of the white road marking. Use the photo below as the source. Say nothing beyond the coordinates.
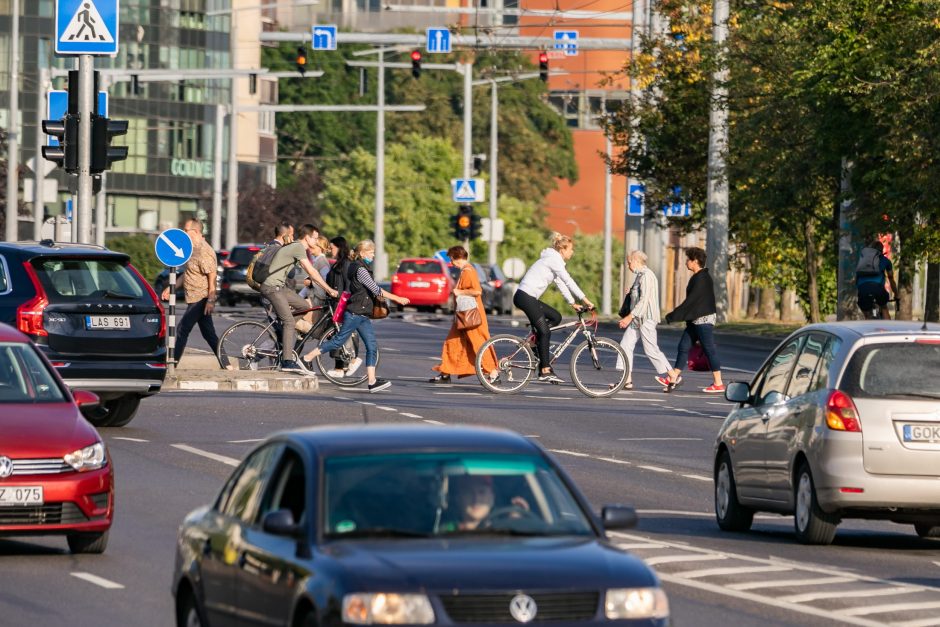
(685, 411)
(725, 404)
(660, 439)
(98, 581)
(612, 460)
(550, 398)
(733, 570)
(639, 545)
(789, 583)
(674, 513)
(533, 436)
(684, 557)
(229, 461)
(415, 416)
(737, 370)
(410, 378)
(121, 437)
(632, 399)
(246, 441)
(458, 394)
(564, 452)
(889, 607)
(840, 594)
(365, 403)
(654, 468)
(384, 408)
(342, 398)
(698, 477)
(920, 622)
(433, 422)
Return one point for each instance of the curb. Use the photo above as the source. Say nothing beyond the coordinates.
(225, 382)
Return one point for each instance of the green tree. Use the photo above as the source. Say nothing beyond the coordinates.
(140, 249)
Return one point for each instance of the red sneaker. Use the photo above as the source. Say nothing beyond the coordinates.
(714, 389)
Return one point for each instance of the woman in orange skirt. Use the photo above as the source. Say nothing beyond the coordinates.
(458, 358)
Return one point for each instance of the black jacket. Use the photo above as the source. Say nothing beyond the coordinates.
(699, 299)
(361, 299)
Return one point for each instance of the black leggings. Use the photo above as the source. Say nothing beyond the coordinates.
(543, 317)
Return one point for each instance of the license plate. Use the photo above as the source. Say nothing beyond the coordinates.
(27, 495)
(107, 323)
(922, 433)
(419, 284)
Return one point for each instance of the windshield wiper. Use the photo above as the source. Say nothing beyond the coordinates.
(110, 294)
(497, 532)
(377, 532)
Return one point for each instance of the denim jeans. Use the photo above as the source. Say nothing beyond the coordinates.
(195, 314)
(351, 324)
(705, 334)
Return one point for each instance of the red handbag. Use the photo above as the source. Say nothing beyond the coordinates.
(697, 359)
(340, 309)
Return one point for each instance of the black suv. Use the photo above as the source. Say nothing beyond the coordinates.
(234, 287)
(96, 319)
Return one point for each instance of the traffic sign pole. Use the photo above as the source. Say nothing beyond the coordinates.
(86, 105)
(171, 323)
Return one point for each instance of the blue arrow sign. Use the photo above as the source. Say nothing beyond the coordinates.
(324, 37)
(86, 27)
(57, 103)
(173, 247)
(438, 40)
(567, 40)
(635, 202)
(443, 256)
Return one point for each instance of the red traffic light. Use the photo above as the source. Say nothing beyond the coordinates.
(416, 55)
(543, 57)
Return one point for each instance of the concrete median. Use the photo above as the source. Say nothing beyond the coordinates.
(199, 370)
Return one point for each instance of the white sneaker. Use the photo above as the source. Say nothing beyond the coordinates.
(353, 366)
(335, 373)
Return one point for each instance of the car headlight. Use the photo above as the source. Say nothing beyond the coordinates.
(623, 603)
(387, 609)
(88, 458)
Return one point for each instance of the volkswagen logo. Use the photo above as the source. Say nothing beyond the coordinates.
(523, 608)
(6, 467)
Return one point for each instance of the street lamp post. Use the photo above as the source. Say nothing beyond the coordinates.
(13, 143)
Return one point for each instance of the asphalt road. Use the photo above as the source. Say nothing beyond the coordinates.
(641, 448)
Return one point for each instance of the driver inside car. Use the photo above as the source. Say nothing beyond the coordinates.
(471, 500)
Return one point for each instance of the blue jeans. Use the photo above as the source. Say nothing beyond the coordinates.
(352, 323)
(705, 334)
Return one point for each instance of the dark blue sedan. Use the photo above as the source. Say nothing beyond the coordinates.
(407, 525)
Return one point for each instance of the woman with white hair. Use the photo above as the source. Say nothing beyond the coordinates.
(642, 317)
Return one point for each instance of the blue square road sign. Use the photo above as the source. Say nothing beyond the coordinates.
(438, 41)
(567, 40)
(57, 104)
(324, 36)
(86, 27)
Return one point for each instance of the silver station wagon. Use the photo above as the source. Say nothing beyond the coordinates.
(842, 421)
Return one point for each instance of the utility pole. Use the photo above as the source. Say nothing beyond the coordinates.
(231, 216)
(608, 235)
(216, 224)
(494, 153)
(86, 105)
(13, 141)
(717, 198)
(467, 117)
(381, 257)
(39, 200)
(101, 201)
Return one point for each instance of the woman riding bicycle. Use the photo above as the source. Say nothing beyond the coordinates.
(550, 267)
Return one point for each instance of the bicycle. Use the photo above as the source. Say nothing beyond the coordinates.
(593, 364)
(875, 312)
(257, 346)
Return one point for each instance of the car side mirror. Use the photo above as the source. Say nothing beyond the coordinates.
(618, 517)
(280, 523)
(84, 398)
(737, 392)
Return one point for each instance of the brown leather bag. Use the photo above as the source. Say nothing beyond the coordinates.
(466, 314)
(379, 308)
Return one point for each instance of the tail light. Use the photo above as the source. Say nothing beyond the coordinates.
(496, 283)
(440, 281)
(229, 264)
(841, 414)
(156, 301)
(29, 314)
(395, 279)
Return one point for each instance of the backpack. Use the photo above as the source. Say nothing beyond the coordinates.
(869, 263)
(260, 267)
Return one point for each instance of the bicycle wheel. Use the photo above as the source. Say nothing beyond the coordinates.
(345, 366)
(250, 346)
(594, 367)
(516, 364)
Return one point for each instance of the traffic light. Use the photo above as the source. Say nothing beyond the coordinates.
(543, 66)
(463, 222)
(475, 225)
(65, 131)
(416, 63)
(103, 154)
(301, 59)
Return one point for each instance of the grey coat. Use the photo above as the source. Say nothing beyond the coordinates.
(644, 297)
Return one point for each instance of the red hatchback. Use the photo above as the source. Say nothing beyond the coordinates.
(425, 282)
(55, 474)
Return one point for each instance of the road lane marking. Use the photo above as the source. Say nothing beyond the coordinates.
(920, 622)
(731, 570)
(725, 404)
(433, 422)
(654, 468)
(229, 461)
(365, 403)
(249, 441)
(122, 437)
(627, 397)
(384, 408)
(840, 594)
(407, 415)
(564, 452)
(686, 411)
(889, 607)
(342, 398)
(660, 439)
(611, 459)
(789, 583)
(639, 545)
(698, 477)
(550, 398)
(98, 581)
(458, 393)
(685, 557)
(533, 436)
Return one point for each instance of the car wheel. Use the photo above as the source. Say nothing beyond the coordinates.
(812, 525)
(121, 410)
(927, 530)
(188, 613)
(87, 542)
(730, 514)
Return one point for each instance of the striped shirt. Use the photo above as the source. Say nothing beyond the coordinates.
(366, 280)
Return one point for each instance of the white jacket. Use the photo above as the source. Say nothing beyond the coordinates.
(550, 267)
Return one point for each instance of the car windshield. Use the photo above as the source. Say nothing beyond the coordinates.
(70, 279)
(894, 369)
(243, 255)
(24, 376)
(447, 494)
(418, 266)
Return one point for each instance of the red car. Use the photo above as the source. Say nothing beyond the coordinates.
(425, 282)
(55, 473)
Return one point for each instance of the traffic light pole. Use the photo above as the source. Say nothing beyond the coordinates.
(13, 146)
(86, 105)
(494, 152)
(381, 257)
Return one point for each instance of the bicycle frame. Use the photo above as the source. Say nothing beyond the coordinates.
(325, 322)
(579, 325)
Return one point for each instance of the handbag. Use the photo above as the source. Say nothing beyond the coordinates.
(698, 360)
(625, 306)
(379, 308)
(466, 313)
(340, 309)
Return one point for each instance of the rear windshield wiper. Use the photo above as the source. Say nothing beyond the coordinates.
(377, 532)
(914, 394)
(110, 294)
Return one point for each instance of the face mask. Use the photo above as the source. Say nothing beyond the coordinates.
(367, 261)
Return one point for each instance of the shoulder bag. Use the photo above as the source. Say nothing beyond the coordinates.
(379, 308)
(466, 313)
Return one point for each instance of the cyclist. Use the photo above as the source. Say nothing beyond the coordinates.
(870, 275)
(283, 298)
(549, 267)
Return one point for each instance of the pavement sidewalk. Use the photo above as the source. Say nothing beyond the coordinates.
(199, 370)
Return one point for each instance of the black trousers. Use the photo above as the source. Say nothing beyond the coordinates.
(542, 317)
(195, 314)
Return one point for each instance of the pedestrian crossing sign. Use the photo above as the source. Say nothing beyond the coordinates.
(467, 190)
(87, 27)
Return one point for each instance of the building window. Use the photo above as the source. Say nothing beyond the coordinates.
(136, 142)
